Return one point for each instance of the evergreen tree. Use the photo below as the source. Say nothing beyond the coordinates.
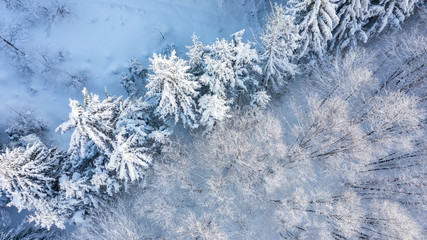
(388, 13)
(93, 122)
(230, 73)
(218, 73)
(112, 144)
(135, 72)
(350, 30)
(29, 178)
(246, 63)
(28, 174)
(171, 90)
(26, 231)
(230, 66)
(195, 54)
(315, 20)
(213, 109)
(138, 139)
(280, 39)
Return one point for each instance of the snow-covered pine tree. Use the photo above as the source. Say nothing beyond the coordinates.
(111, 145)
(26, 231)
(135, 73)
(280, 39)
(120, 221)
(28, 174)
(210, 188)
(195, 55)
(55, 211)
(218, 72)
(229, 66)
(93, 122)
(388, 13)
(246, 64)
(315, 20)
(213, 109)
(392, 220)
(138, 137)
(352, 16)
(171, 90)
(259, 101)
(85, 180)
(29, 178)
(205, 226)
(229, 73)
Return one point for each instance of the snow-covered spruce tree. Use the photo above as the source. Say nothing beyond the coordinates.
(259, 102)
(229, 74)
(353, 15)
(94, 121)
(28, 174)
(280, 40)
(215, 74)
(388, 13)
(138, 138)
(218, 72)
(230, 66)
(56, 211)
(111, 145)
(246, 64)
(171, 89)
(26, 231)
(315, 20)
(129, 80)
(212, 109)
(195, 54)
(85, 179)
(29, 178)
(92, 139)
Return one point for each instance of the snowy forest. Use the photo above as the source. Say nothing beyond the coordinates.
(213, 119)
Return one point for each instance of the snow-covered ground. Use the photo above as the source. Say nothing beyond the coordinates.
(96, 40)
